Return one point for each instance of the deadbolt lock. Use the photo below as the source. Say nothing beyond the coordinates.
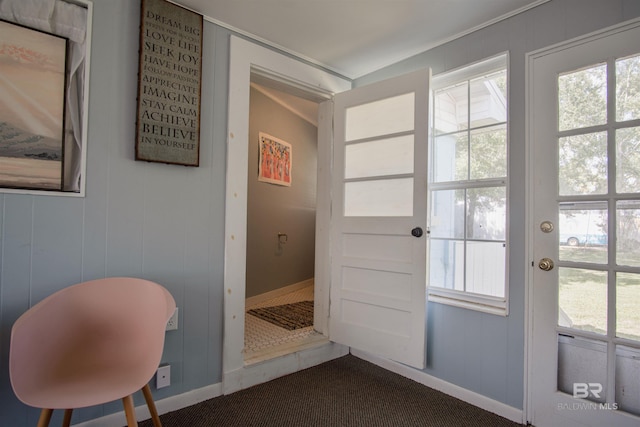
(546, 227)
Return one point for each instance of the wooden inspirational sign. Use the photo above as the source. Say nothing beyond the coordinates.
(169, 78)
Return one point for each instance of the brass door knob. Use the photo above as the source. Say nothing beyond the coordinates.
(545, 264)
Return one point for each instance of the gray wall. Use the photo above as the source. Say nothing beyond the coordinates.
(156, 221)
(272, 209)
(482, 352)
(166, 223)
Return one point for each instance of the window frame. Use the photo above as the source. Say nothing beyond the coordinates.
(464, 299)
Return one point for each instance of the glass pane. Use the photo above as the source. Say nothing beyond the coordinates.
(450, 158)
(486, 268)
(582, 299)
(444, 271)
(628, 160)
(627, 374)
(451, 109)
(379, 158)
(628, 306)
(389, 197)
(486, 213)
(582, 230)
(628, 89)
(489, 153)
(582, 98)
(582, 368)
(628, 233)
(447, 214)
(383, 117)
(489, 100)
(582, 164)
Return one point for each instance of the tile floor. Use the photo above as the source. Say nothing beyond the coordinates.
(263, 340)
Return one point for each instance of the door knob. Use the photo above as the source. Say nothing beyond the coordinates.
(546, 226)
(417, 232)
(546, 264)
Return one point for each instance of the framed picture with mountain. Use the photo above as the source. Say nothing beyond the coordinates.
(33, 68)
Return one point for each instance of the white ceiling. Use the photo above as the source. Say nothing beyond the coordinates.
(356, 37)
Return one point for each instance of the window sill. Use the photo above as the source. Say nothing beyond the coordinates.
(27, 191)
(484, 304)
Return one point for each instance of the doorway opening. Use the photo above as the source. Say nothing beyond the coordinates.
(248, 61)
(281, 221)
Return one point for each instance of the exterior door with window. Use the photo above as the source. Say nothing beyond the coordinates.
(585, 225)
(378, 237)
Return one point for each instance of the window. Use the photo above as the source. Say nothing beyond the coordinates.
(468, 187)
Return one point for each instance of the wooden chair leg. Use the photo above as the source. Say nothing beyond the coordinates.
(148, 397)
(66, 421)
(130, 411)
(45, 417)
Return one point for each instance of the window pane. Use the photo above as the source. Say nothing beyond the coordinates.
(582, 98)
(379, 158)
(582, 232)
(628, 160)
(627, 374)
(628, 89)
(451, 109)
(489, 100)
(450, 158)
(628, 306)
(582, 167)
(489, 152)
(582, 299)
(383, 117)
(447, 214)
(446, 264)
(582, 360)
(628, 233)
(486, 268)
(389, 197)
(486, 213)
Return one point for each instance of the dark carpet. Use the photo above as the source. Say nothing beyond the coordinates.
(288, 316)
(343, 392)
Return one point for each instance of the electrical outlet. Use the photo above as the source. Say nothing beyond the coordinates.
(163, 376)
(172, 323)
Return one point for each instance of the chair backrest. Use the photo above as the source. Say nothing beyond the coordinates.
(84, 334)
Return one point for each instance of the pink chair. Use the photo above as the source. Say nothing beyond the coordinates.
(90, 344)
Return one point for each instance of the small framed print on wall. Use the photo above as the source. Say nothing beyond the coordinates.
(275, 160)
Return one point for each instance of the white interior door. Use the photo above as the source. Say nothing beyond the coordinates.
(585, 197)
(378, 237)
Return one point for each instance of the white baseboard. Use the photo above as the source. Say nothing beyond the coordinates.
(257, 299)
(163, 406)
(471, 397)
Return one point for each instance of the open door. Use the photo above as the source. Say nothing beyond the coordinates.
(378, 223)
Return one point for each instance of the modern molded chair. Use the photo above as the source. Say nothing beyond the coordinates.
(89, 344)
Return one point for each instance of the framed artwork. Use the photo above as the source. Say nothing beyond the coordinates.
(275, 160)
(33, 68)
(169, 84)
